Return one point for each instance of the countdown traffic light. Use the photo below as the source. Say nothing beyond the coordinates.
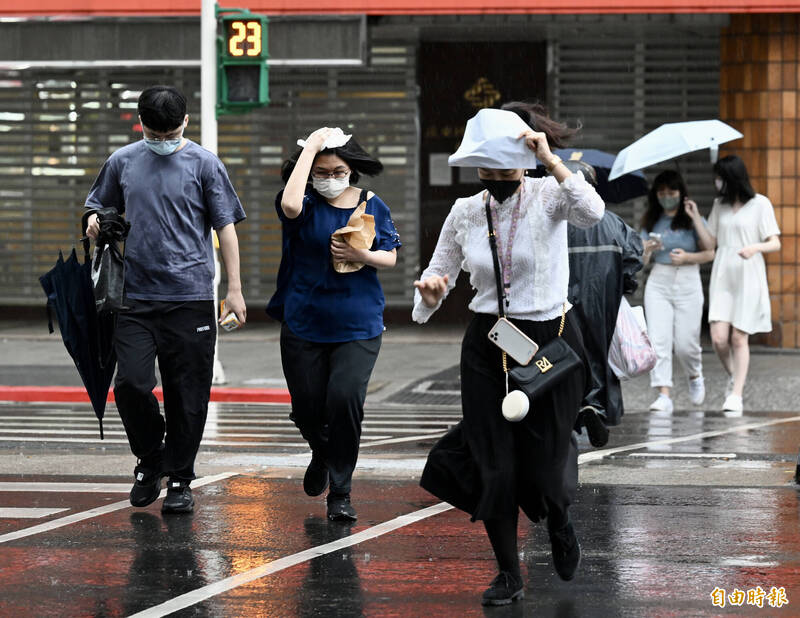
(242, 73)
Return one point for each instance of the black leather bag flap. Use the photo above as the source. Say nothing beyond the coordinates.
(552, 363)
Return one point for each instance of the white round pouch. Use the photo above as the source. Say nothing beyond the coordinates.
(515, 406)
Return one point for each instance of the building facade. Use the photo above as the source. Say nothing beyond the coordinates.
(404, 83)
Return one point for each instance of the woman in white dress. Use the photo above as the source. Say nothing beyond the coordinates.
(743, 227)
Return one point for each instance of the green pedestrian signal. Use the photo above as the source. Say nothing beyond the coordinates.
(242, 73)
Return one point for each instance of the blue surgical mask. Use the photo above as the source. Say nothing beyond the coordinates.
(669, 203)
(163, 146)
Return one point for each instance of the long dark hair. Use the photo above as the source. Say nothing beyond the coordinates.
(357, 159)
(535, 116)
(736, 181)
(671, 180)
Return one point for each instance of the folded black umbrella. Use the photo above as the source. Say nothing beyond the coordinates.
(624, 188)
(87, 336)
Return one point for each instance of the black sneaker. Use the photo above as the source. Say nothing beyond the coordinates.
(316, 479)
(595, 427)
(340, 509)
(566, 551)
(504, 589)
(147, 485)
(179, 498)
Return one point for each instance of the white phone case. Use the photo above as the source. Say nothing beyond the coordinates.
(513, 341)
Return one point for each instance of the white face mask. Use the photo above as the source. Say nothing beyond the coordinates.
(330, 187)
(719, 184)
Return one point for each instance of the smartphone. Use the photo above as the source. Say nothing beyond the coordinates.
(231, 322)
(513, 341)
(655, 236)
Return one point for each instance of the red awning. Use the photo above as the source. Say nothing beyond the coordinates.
(395, 7)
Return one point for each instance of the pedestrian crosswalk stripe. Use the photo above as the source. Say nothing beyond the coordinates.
(237, 426)
(41, 486)
(27, 513)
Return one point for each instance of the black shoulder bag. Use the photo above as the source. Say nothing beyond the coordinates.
(553, 362)
(108, 265)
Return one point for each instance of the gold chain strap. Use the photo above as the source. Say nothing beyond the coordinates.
(560, 330)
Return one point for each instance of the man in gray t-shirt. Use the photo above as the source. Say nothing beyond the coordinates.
(173, 193)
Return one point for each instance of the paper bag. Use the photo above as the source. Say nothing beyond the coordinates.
(359, 234)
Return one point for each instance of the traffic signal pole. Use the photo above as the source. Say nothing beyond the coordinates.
(208, 134)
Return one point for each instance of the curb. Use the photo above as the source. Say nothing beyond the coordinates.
(77, 394)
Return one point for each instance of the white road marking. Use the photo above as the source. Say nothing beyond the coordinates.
(206, 592)
(97, 512)
(62, 488)
(27, 513)
(424, 388)
(595, 455)
(685, 455)
(421, 436)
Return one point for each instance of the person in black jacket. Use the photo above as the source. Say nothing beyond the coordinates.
(603, 262)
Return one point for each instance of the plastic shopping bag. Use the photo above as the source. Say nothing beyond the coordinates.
(630, 353)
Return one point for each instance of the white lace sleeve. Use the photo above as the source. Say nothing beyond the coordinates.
(446, 260)
(574, 200)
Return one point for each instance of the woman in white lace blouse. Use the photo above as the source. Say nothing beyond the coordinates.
(486, 465)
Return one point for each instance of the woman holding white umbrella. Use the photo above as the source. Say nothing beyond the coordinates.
(743, 227)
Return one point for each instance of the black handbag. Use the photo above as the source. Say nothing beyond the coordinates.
(108, 264)
(553, 362)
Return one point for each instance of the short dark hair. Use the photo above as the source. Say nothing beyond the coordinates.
(733, 172)
(671, 180)
(357, 159)
(162, 108)
(535, 116)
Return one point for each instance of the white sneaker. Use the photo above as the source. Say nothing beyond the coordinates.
(697, 390)
(733, 405)
(729, 387)
(662, 404)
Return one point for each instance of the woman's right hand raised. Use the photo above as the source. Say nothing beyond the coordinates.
(316, 140)
(432, 289)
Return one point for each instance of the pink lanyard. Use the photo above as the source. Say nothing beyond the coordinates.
(505, 256)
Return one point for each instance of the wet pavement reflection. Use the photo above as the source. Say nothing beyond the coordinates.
(646, 551)
(677, 506)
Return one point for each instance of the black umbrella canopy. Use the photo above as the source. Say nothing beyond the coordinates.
(624, 188)
(86, 335)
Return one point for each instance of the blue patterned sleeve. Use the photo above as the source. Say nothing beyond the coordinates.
(386, 236)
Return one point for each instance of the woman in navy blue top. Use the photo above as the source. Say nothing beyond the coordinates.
(332, 321)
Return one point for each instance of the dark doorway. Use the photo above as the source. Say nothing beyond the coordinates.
(456, 80)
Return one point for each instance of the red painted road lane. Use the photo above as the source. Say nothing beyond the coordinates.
(646, 551)
(73, 502)
(75, 394)
(135, 558)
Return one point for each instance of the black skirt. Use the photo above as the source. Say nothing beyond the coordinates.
(490, 467)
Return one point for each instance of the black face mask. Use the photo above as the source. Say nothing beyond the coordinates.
(501, 190)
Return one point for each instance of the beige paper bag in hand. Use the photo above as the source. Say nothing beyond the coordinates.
(359, 234)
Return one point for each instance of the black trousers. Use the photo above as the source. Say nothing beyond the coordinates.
(328, 385)
(182, 336)
(490, 467)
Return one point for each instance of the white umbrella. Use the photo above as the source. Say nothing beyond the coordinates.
(672, 140)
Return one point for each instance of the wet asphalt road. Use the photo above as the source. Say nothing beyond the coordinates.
(674, 507)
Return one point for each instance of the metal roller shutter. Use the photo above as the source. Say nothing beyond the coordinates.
(60, 125)
(625, 85)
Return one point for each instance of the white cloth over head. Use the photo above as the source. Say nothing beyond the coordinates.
(336, 139)
(491, 141)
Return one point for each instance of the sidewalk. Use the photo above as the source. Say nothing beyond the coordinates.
(29, 356)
